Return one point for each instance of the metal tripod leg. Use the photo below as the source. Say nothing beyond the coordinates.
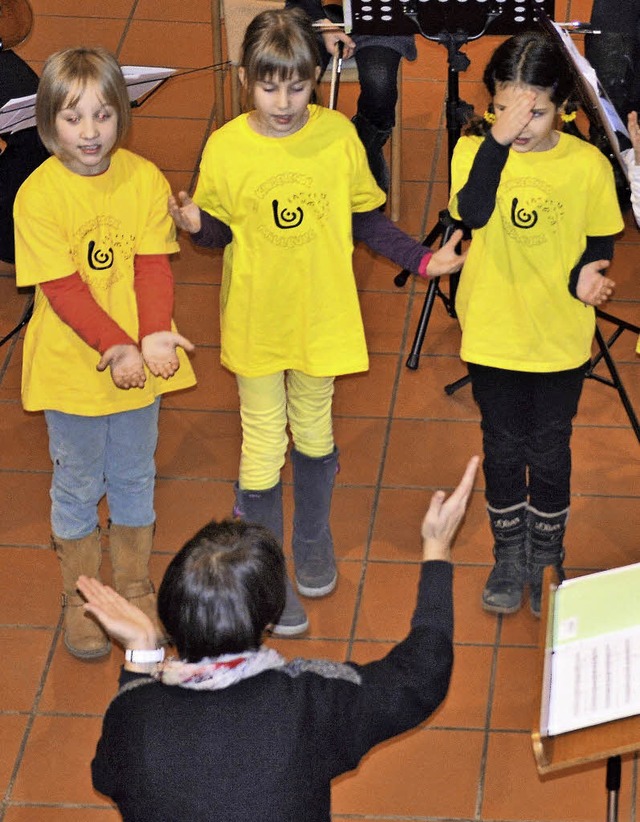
(26, 316)
(442, 230)
(613, 787)
(614, 381)
(605, 354)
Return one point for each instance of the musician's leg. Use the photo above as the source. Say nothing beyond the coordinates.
(375, 116)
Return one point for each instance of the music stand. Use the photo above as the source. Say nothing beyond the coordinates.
(607, 741)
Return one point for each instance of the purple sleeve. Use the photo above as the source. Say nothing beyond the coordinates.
(378, 232)
(213, 232)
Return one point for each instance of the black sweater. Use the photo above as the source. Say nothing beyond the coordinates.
(266, 749)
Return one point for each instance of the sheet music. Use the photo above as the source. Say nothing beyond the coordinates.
(597, 95)
(19, 113)
(596, 680)
(594, 670)
(143, 79)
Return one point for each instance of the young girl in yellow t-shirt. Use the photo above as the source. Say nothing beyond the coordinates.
(543, 210)
(291, 182)
(93, 236)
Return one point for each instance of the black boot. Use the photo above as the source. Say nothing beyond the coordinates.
(503, 591)
(373, 139)
(545, 535)
(265, 508)
(313, 480)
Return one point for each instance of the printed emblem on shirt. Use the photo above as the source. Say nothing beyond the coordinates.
(529, 210)
(290, 210)
(100, 249)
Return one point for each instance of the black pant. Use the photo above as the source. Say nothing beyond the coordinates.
(378, 75)
(615, 53)
(24, 150)
(526, 428)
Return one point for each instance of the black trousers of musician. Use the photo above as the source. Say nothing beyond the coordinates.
(526, 427)
(615, 53)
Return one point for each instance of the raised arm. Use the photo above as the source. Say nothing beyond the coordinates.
(402, 689)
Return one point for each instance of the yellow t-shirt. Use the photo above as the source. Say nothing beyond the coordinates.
(289, 297)
(66, 222)
(513, 301)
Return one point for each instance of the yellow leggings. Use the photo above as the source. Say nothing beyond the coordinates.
(266, 405)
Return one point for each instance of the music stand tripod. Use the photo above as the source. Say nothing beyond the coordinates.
(457, 112)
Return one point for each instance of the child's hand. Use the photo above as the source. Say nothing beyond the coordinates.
(514, 118)
(592, 287)
(634, 134)
(127, 366)
(185, 213)
(159, 352)
(445, 260)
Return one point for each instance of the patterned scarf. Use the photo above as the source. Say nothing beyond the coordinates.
(211, 674)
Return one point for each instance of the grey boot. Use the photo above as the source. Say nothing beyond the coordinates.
(373, 139)
(265, 508)
(313, 480)
(545, 534)
(503, 591)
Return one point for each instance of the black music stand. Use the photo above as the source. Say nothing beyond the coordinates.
(505, 17)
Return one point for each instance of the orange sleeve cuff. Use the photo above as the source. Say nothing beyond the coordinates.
(153, 283)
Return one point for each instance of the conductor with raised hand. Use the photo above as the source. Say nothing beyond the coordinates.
(232, 731)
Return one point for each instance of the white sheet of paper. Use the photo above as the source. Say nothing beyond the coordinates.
(19, 113)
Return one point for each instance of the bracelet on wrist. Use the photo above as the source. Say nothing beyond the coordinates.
(143, 656)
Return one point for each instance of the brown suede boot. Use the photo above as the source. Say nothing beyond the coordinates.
(83, 637)
(130, 549)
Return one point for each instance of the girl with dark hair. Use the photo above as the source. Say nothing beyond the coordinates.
(242, 735)
(543, 211)
(291, 181)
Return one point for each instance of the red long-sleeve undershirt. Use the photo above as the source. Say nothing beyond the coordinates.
(73, 302)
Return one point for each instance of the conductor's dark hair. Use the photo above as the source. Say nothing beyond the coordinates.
(280, 44)
(531, 58)
(222, 589)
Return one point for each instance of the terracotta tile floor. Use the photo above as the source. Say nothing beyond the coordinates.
(400, 436)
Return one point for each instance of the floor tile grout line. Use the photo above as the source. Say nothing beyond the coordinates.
(127, 25)
(6, 801)
(487, 726)
(381, 466)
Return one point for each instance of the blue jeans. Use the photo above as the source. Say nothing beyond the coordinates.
(94, 456)
(526, 433)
